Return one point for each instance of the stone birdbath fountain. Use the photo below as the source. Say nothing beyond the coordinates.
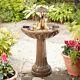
(41, 32)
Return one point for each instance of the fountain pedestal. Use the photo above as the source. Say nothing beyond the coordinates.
(41, 68)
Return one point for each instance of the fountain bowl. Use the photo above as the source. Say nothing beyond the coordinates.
(40, 34)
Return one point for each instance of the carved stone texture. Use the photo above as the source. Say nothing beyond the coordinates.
(41, 68)
(40, 34)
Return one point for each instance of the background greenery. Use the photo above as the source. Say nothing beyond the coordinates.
(11, 10)
(61, 12)
(16, 10)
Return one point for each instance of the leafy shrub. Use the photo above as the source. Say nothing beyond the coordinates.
(11, 10)
(33, 11)
(74, 28)
(6, 69)
(30, 3)
(77, 17)
(6, 41)
(42, 2)
(54, 1)
(61, 12)
(75, 25)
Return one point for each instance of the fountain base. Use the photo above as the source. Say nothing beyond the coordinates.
(41, 71)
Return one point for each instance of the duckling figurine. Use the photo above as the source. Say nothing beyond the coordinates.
(41, 25)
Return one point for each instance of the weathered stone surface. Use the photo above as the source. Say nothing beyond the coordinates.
(37, 78)
(56, 75)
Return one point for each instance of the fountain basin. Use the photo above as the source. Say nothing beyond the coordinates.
(38, 34)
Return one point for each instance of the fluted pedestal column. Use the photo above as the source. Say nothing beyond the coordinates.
(41, 67)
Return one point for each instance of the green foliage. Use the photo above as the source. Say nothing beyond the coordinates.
(77, 17)
(71, 26)
(43, 2)
(76, 27)
(30, 3)
(78, 32)
(30, 11)
(50, 1)
(74, 55)
(33, 11)
(6, 41)
(11, 10)
(61, 12)
(5, 70)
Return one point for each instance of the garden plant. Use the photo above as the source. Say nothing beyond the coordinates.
(6, 41)
(6, 70)
(71, 55)
(11, 10)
